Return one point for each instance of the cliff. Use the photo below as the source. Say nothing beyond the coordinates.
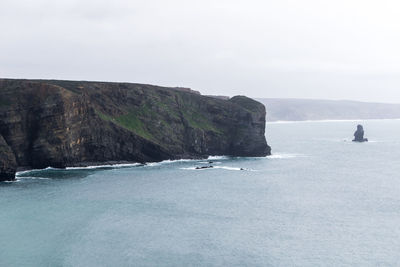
(71, 123)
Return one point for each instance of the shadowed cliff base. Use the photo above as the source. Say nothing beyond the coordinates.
(50, 123)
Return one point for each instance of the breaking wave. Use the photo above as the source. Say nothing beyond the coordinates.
(218, 157)
(112, 166)
(218, 167)
(284, 156)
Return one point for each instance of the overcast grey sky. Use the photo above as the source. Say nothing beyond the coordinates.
(342, 49)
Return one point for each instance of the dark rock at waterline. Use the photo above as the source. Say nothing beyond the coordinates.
(204, 167)
(8, 164)
(359, 134)
(69, 123)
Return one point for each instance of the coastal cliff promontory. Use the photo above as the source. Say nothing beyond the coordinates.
(72, 123)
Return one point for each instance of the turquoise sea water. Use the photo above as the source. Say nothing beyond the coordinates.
(320, 200)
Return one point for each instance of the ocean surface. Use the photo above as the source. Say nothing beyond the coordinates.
(320, 200)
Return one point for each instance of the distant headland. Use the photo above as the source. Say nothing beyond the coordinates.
(77, 123)
(290, 109)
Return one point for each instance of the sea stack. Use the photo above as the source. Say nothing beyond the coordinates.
(359, 134)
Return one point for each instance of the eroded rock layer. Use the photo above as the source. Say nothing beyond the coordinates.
(73, 123)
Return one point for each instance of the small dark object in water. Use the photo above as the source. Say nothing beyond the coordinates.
(210, 162)
(359, 134)
(204, 167)
(241, 169)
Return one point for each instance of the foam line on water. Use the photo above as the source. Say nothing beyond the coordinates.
(122, 165)
(168, 161)
(202, 161)
(217, 157)
(14, 181)
(34, 170)
(218, 167)
(31, 178)
(284, 156)
(116, 166)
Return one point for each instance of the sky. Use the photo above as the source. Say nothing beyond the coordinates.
(342, 49)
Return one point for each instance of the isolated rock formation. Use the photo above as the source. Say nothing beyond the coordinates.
(71, 123)
(359, 134)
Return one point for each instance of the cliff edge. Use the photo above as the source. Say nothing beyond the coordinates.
(72, 123)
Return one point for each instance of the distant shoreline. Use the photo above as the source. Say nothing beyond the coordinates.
(327, 110)
(321, 121)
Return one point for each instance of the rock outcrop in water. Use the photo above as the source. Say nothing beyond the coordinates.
(71, 123)
(359, 134)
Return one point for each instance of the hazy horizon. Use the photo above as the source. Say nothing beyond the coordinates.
(342, 50)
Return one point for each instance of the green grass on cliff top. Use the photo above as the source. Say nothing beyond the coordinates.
(198, 120)
(161, 118)
(130, 122)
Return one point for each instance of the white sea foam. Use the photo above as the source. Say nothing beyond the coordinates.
(125, 165)
(218, 167)
(151, 164)
(200, 161)
(80, 168)
(122, 165)
(207, 162)
(284, 156)
(217, 157)
(31, 178)
(34, 170)
(23, 172)
(13, 181)
(369, 141)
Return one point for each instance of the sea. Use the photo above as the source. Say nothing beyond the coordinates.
(319, 200)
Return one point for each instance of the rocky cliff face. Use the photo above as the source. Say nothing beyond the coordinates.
(8, 164)
(68, 123)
